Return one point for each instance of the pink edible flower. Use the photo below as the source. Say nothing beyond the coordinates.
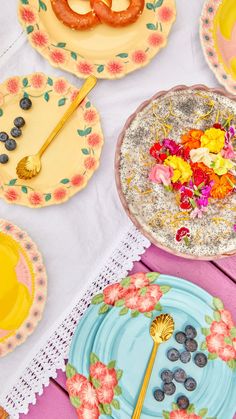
(161, 174)
(228, 151)
(198, 212)
(172, 146)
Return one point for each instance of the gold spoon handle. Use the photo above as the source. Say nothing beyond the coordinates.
(142, 394)
(88, 85)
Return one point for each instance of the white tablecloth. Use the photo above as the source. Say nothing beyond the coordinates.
(77, 238)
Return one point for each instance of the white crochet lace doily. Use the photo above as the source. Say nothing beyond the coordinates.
(55, 350)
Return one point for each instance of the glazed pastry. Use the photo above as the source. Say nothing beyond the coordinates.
(121, 18)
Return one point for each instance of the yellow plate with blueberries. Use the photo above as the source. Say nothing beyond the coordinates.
(106, 51)
(218, 37)
(23, 286)
(30, 108)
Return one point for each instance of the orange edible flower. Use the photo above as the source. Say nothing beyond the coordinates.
(192, 138)
(222, 185)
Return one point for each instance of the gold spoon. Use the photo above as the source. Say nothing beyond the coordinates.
(161, 330)
(30, 166)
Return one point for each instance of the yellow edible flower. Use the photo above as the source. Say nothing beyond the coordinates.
(182, 170)
(221, 165)
(213, 139)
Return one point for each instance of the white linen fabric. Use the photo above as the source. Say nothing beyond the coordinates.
(88, 241)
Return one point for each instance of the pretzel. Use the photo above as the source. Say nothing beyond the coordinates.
(121, 18)
(101, 12)
(73, 19)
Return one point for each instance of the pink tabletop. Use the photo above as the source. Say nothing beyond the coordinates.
(218, 278)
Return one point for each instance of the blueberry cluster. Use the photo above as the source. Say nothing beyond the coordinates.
(186, 338)
(16, 131)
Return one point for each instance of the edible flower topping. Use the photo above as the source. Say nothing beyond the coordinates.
(182, 169)
(213, 139)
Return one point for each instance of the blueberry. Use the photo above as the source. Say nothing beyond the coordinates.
(190, 384)
(167, 376)
(10, 144)
(159, 395)
(191, 345)
(200, 359)
(3, 136)
(173, 354)
(4, 158)
(183, 402)
(185, 357)
(180, 375)
(19, 122)
(16, 132)
(25, 103)
(169, 388)
(190, 332)
(180, 337)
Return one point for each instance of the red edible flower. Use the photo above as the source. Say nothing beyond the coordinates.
(163, 156)
(154, 150)
(185, 196)
(181, 233)
(199, 175)
(218, 126)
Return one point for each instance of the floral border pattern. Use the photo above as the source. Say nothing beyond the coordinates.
(206, 23)
(38, 85)
(189, 413)
(220, 335)
(60, 55)
(135, 294)
(40, 294)
(95, 395)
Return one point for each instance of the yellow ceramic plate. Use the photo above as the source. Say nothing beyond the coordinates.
(105, 51)
(23, 286)
(71, 159)
(218, 37)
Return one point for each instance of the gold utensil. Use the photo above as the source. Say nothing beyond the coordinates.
(30, 166)
(161, 330)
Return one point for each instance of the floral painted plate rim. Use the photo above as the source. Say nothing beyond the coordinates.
(112, 302)
(117, 169)
(15, 191)
(208, 45)
(30, 249)
(117, 66)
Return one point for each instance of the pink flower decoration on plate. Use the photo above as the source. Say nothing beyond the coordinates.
(27, 15)
(178, 414)
(35, 198)
(112, 294)
(39, 39)
(90, 163)
(90, 116)
(58, 56)
(77, 180)
(155, 40)
(109, 379)
(74, 94)
(155, 292)
(139, 280)
(98, 370)
(219, 327)
(131, 300)
(13, 85)
(12, 194)
(84, 67)
(75, 384)
(215, 342)
(94, 140)
(88, 395)
(115, 67)
(161, 174)
(88, 413)
(227, 353)
(165, 14)
(105, 394)
(139, 57)
(59, 194)
(38, 80)
(60, 86)
(146, 303)
(227, 318)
